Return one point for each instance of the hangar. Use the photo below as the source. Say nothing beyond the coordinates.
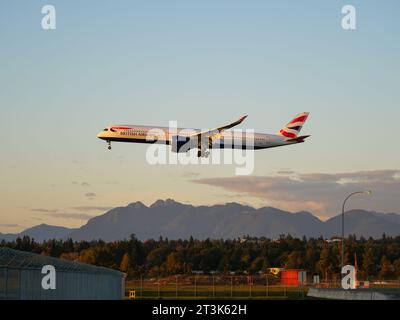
(21, 279)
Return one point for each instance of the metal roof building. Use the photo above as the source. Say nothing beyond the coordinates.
(21, 278)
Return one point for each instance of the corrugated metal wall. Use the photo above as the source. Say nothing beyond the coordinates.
(26, 284)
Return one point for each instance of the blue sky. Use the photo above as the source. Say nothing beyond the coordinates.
(202, 63)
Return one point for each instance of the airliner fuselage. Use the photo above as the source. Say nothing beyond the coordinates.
(148, 134)
(184, 139)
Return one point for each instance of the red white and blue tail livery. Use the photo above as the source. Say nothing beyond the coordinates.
(292, 129)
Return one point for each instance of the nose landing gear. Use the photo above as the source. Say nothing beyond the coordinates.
(109, 145)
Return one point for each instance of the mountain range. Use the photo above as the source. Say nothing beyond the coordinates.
(168, 218)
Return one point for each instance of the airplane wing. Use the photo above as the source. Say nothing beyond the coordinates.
(216, 133)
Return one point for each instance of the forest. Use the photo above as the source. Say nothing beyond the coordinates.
(374, 258)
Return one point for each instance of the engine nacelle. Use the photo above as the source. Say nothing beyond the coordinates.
(181, 144)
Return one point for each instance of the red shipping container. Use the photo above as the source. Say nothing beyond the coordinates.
(290, 277)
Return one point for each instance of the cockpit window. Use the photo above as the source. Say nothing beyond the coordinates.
(106, 129)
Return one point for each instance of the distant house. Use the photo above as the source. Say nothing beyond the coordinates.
(248, 239)
(333, 240)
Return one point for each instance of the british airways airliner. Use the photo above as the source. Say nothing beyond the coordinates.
(183, 140)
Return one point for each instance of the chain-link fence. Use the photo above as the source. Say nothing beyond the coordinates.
(233, 287)
(214, 287)
(362, 284)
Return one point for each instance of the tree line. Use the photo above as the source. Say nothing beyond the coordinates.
(375, 258)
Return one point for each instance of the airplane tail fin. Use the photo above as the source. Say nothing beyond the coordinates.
(292, 129)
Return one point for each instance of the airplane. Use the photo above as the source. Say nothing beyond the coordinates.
(183, 140)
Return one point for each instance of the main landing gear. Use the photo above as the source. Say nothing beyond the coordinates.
(203, 153)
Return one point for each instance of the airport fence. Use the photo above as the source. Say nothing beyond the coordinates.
(363, 284)
(214, 287)
(232, 287)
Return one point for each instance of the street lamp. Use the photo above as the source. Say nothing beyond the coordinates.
(344, 203)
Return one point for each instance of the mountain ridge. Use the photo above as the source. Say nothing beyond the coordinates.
(172, 219)
(40, 233)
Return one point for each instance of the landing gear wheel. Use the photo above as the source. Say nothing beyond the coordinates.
(109, 147)
(203, 154)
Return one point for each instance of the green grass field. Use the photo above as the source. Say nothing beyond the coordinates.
(169, 291)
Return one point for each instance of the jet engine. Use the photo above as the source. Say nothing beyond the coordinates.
(181, 144)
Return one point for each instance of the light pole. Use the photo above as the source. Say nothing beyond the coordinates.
(344, 203)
